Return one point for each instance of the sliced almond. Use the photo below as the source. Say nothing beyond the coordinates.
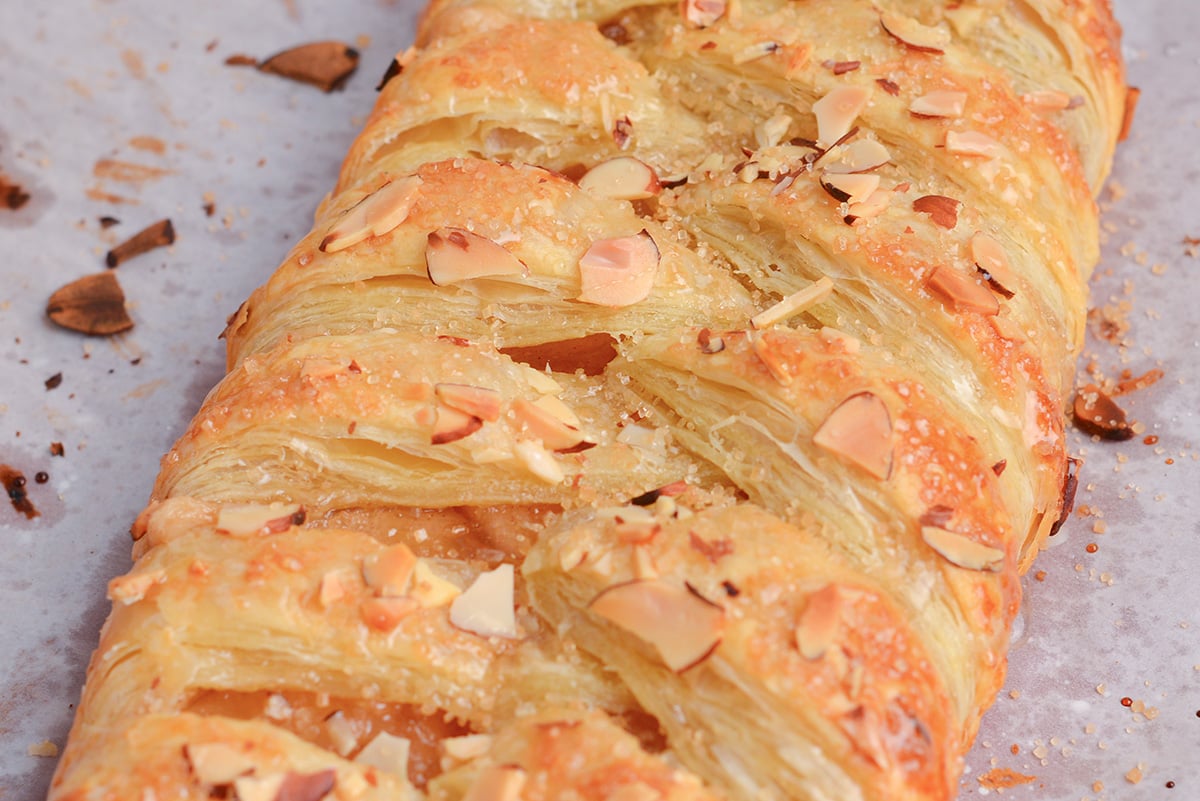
(943, 103)
(1098, 414)
(131, 588)
(619, 272)
(837, 111)
(92, 305)
(973, 143)
(453, 255)
(245, 520)
(387, 752)
(325, 65)
(539, 461)
(773, 359)
(941, 209)
(384, 614)
(259, 788)
(467, 747)
(540, 424)
(755, 51)
(497, 783)
(683, 627)
(333, 588)
(556, 408)
(817, 626)
(702, 13)
(470, 400)
(911, 33)
(992, 261)
(708, 342)
(770, 132)
(860, 155)
(793, 304)
(1047, 100)
(375, 215)
(487, 607)
(860, 431)
(307, 786)
(873, 206)
(451, 425)
(388, 571)
(622, 178)
(850, 188)
(961, 550)
(217, 763)
(430, 589)
(341, 733)
(962, 292)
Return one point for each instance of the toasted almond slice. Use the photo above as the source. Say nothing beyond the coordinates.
(860, 431)
(341, 733)
(622, 178)
(794, 303)
(332, 588)
(387, 752)
(770, 132)
(941, 209)
(962, 291)
(556, 408)
(244, 520)
(1098, 414)
(535, 421)
(487, 607)
(683, 627)
(860, 155)
(755, 51)
(431, 589)
(913, 34)
(259, 788)
(217, 763)
(375, 215)
(470, 400)
(455, 254)
(973, 143)
(961, 550)
(451, 425)
(990, 258)
(1047, 100)
(467, 747)
(942, 103)
(873, 206)
(776, 362)
(708, 342)
(384, 614)
(837, 110)
(389, 570)
(702, 13)
(619, 272)
(497, 783)
(850, 188)
(818, 624)
(131, 588)
(539, 461)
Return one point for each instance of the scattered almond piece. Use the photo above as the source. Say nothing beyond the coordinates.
(618, 272)
(622, 178)
(837, 110)
(702, 13)
(851, 188)
(159, 234)
(683, 627)
(1096, 413)
(961, 550)
(375, 215)
(92, 305)
(860, 431)
(818, 624)
(43, 749)
(249, 519)
(794, 303)
(387, 752)
(941, 209)
(217, 763)
(943, 103)
(962, 292)
(325, 65)
(471, 400)
(455, 254)
(497, 783)
(487, 607)
(913, 34)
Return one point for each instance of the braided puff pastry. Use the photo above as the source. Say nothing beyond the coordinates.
(663, 406)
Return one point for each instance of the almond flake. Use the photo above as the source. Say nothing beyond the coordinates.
(850, 187)
(387, 752)
(1047, 100)
(539, 461)
(794, 303)
(332, 588)
(325, 65)
(453, 255)
(992, 261)
(341, 733)
(467, 747)
(683, 627)
(961, 550)
(217, 763)
(708, 342)
(388, 571)
(497, 783)
(962, 292)
(375, 215)
(873, 206)
(259, 788)
(245, 520)
(770, 132)
(486, 607)
(622, 178)
(1098, 414)
(430, 589)
(913, 34)
(818, 624)
(837, 111)
(470, 400)
(861, 155)
(92, 305)
(755, 51)
(771, 357)
(384, 614)
(860, 431)
(554, 434)
(973, 143)
(702, 13)
(556, 408)
(307, 786)
(131, 588)
(944, 103)
(451, 425)
(943, 210)
(618, 272)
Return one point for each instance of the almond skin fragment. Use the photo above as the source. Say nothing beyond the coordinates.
(913, 34)
(943, 103)
(455, 254)
(702, 13)
(160, 234)
(962, 292)
(622, 178)
(325, 65)
(487, 607)
(470, 400)
(837, 110)
(619, 272)
(961, 550)
(1097, 414)
(375, 215)
(860, 431)
(92, 305)
(941, 209)
(683, 627)
(245, 520)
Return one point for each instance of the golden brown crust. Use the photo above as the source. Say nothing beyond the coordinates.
(663, 406)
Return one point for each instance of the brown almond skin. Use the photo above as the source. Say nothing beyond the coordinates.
(1097, 414)
(92, 305)
(325, 65)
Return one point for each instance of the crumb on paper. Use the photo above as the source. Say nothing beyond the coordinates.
(1136, 773)
(1004, 778)
(43, 749)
